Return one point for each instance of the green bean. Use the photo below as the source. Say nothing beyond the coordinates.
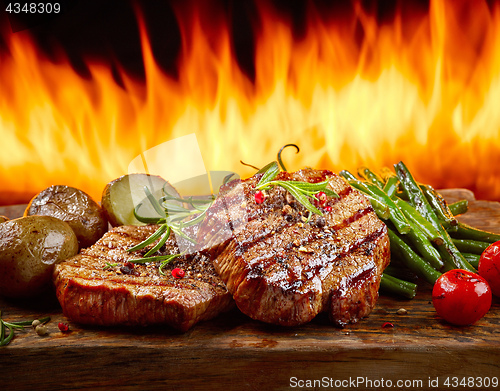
(440, 207)
(465, 231)
(399, 287)
(414, 216)
(370, 176)
(470, 246)
(424, 247)
(381, 209)
(473, 259)
(415, 194)
(459, 207)
(347, 175)
(396, 216)
(412, 260)
(400, 271)
(391, 186)
(451, 256)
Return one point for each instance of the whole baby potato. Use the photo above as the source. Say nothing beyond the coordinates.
(75, 207)
(29, 249)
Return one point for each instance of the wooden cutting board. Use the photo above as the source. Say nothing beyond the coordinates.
(234, 352)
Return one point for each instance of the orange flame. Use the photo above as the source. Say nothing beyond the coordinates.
(351, 91)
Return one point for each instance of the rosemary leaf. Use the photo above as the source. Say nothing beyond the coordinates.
(154, 258)
(227, 178)
(26, 323)
(156, 205)
(270, 173)
(151, 239)
(11, 326)
(298, 194)
(178, 232)
(147, 220)
(158, 245)
(2, 328)
(314, 188)
(5, 341)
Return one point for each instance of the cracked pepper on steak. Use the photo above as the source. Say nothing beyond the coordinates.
(284, 269)
(279, 266)
(91, 291)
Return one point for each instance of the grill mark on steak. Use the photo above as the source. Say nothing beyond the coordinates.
(281, 270)
(89, 294)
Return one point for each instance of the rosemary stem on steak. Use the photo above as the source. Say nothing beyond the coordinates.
(397, 286)
(5, 337)
(301, 191)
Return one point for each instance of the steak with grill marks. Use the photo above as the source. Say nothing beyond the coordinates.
(283, 267)
(100, 287)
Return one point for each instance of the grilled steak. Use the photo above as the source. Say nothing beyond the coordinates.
(91, 291)
(284, 268)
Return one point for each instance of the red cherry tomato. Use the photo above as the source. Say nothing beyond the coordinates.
(461, 297)
(489, 267)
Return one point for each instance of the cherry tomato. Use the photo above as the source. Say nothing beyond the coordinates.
(489, 267)
(461, 297)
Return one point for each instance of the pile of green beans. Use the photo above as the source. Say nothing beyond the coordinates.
(425, 236)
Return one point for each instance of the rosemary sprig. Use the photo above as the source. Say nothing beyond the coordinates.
(5, 337)
(172, 217)
(301, 191)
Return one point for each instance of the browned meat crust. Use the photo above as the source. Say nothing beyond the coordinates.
(284, 270)
(120, 295)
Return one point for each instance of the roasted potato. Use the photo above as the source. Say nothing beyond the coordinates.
(29, 249)
(73, 206)
(120, 197)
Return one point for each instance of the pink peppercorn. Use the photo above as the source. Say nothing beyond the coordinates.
(178, 273)
(328, 208)
(259, 197)
(321, 198)
(64, 327)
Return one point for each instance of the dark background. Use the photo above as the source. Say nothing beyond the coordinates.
(108, 30)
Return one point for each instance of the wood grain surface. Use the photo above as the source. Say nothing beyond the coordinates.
(234, 352)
